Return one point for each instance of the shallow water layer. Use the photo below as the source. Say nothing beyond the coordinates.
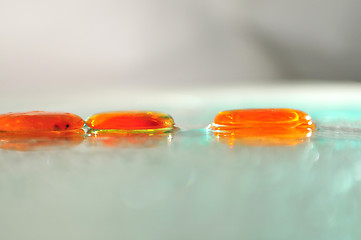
(189, 186)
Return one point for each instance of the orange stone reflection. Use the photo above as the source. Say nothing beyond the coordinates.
(128, 140)
(264, 137)
(138, 121)
(262, 126)
(39, 121)
(29, 141)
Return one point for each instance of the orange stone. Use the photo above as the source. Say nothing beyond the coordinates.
(262, 126)
(275, 119)
(131, 121)
(39, 121)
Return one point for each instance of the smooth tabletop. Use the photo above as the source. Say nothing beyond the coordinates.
(189, 185)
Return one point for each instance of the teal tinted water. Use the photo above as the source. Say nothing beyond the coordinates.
(190, 186)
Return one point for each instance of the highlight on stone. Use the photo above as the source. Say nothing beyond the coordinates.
(131, 121)
(279, 126)
(37, 121)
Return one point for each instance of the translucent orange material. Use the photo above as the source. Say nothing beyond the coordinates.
(263, 126)
(262, 118)
(138, 121)
(29, 141)
(39, 121)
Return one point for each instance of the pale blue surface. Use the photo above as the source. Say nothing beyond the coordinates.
(192, 187)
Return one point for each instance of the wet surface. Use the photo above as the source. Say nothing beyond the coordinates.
(188, 186)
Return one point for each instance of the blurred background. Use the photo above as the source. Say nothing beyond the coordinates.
(67, 44)
(82, 52)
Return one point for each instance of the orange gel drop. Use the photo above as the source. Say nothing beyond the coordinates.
(263, 126)
(138, 121)
(278, 118)
(39, 121)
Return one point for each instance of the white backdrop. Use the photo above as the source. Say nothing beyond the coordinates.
(77, 45)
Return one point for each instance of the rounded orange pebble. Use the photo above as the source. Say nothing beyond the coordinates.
(39, 121)
(131, 121)
(277, 118)
(262, 127)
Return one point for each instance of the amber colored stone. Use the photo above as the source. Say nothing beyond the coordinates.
(39, 121)
(262, 118)
(262, 126)
(131, 121)
(29, 141)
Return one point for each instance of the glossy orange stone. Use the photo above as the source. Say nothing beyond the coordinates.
(131, 121)
(39, 121)
(262, 126)
(277, 118)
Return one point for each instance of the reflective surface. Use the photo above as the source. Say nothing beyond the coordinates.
(190, 186)
(128, 140)
(33, 141)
